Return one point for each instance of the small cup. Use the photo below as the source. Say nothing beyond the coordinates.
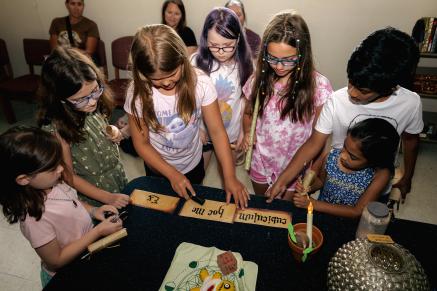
(297, 251)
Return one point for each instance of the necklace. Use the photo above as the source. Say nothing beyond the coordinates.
(65, 199)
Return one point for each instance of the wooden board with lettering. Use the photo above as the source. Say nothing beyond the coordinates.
(271, 218)
(211, 210)
(380, 238)
(154, 201)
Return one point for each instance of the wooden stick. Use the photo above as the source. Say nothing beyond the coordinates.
(251, 134)
(308, 180)
(107, 241)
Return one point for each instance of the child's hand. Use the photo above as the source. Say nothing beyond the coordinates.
(234, 187)
(300, 188)
(276, 189)
(181, 184)
(99, 215)
(245, 144)
(301, 201)
(118, 200)
(113, 134)
(203, 136)
(107, 226)
(239, 144)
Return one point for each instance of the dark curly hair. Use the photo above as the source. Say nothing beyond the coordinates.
(385, 59)
(379, 142)
(28, 151)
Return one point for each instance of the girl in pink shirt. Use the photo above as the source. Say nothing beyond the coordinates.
(57, 224)
(291, 94)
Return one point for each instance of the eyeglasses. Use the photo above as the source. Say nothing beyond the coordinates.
(286, 62)
(225, 49)
(82, 102)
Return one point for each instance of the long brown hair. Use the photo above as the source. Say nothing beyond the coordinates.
(297, 99)
(28, 151)
(156, 48)
(62, 75)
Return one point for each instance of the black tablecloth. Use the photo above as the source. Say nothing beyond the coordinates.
(144, 256)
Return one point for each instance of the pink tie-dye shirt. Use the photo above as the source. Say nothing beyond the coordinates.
(278, 140)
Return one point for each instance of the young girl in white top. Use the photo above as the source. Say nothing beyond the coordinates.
(224, 55)
(165, 104)
(291, 95)
(57, 224)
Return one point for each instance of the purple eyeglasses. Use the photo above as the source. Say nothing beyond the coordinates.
(82, 102)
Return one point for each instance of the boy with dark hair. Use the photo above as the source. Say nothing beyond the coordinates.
(377, 69)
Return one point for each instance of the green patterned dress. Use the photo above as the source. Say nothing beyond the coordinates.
(97, 159)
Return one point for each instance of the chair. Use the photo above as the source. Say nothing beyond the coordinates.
(5, 63)
(120, 60)
(101, 56)
(26, 86)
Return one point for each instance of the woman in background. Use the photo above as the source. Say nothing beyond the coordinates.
(75, 30)
(173, 15)
(252, 38)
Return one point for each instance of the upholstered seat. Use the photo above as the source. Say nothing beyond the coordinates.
(120, 60)
(26, 86)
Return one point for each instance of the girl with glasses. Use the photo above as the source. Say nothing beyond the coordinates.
(225, 56)
(75, 107)
(166, 103)
(291, 94)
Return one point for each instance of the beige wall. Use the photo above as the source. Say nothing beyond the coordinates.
(336, 26)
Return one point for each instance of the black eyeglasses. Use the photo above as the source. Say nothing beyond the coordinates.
(225, 49)
(82, 102)
(286, 62)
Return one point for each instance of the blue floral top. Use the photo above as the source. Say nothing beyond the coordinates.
(344, 188)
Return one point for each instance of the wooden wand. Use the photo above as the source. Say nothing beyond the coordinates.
(252, 134)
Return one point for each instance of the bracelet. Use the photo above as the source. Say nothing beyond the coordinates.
(93, 212)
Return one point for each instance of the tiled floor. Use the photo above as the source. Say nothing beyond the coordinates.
(19, 264)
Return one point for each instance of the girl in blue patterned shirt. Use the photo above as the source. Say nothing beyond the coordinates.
(348, 179)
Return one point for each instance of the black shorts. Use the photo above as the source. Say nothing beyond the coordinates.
(195, 176)
(208, 147)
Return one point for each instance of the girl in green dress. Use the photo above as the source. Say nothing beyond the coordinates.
(75, 105)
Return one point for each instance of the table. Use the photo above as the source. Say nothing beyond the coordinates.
(144, 256)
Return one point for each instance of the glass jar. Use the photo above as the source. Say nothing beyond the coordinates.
(374, 220)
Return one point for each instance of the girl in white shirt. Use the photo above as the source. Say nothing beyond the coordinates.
(165, 104)
(225, 56)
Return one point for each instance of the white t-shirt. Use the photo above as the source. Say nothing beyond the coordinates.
(403, 109)
(227, 84)
(179, 144)
(61, 220)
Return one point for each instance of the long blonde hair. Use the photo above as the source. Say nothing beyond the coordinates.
(156, 48)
